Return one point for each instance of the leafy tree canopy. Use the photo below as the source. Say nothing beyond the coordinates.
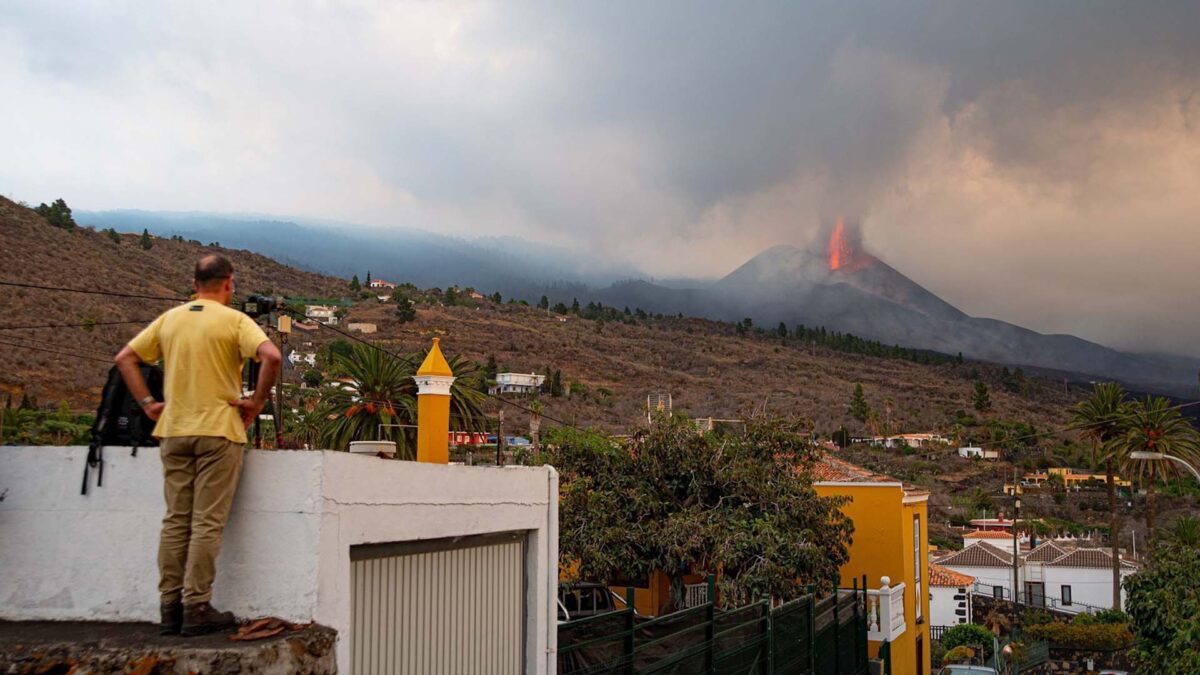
(57, 214)
(679, 502)
(1164, 603)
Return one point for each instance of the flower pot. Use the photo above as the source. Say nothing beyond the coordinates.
(376, 448)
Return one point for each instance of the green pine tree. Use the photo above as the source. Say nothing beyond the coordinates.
(782, 331)
(113, 236)
(405, 310)
(144, 241)
(859, 409)
(355, 286)
(544, 303)
(981, 400)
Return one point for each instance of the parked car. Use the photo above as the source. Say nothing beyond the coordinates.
(584, 599)
(967, 670)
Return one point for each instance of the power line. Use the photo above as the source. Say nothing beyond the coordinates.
(77, 350)
(78, 325)
(88, 291)
(55, 351)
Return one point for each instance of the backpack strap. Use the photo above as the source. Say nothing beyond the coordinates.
(95, 457)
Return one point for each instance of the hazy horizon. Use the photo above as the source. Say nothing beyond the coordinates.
(1029, 162)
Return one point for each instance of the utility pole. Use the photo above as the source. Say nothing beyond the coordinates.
(500, 437)
(1016, 559)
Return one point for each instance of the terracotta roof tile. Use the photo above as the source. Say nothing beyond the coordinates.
(941, 576)
(982, 554)
(834, 470)
(987, 534)
(1045, 552)
(1089, 557)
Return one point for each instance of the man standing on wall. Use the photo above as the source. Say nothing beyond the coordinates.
(202, 423)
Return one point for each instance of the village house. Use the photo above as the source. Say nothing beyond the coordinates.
(928, 440)
(891, 548)
(979, 453)
(380, 283)
(521, 384)
(325, 314)
(362, 327)
(1057, 574)
(949, 596)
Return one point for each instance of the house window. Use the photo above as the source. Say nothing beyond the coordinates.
(918, 563)
(1066, 595)
(998, 592)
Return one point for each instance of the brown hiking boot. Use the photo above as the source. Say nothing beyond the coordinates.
(202, 618)
(172, 617)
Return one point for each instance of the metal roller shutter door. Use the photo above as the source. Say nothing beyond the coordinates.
(444, 606)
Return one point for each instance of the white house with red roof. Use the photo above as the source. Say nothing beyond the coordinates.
(949, 596)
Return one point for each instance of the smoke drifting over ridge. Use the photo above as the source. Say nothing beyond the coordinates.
(1031, 161)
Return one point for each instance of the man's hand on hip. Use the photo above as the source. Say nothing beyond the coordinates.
(249, 408)
(154, 410)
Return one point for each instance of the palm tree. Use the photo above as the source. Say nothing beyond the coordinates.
(1154, 425)
(1100, 419)
(377, 389)
(1185, 531)
(378, 400)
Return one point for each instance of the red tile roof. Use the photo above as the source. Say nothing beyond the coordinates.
(834, 470)
(941, 576)
(982, 554)
(829, 469)
(1089, 557)
(1045, 552)
(987, 534)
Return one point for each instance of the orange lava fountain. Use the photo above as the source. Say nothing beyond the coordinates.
(840, 253)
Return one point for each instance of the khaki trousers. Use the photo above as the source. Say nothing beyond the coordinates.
(200, 476)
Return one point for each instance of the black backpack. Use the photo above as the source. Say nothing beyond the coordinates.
(120, 420)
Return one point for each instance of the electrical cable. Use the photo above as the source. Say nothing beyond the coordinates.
(77, 325)
(88, 291)
(25, 341)
(55, 351)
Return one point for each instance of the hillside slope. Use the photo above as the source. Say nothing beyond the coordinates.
(32, 251)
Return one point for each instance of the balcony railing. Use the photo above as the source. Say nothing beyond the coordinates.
(885, 611)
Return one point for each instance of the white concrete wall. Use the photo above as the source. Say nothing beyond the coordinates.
(942, 605)
(1089, 586)
(287, 547)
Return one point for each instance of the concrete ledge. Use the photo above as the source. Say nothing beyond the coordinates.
(297, 514)
(84, 648)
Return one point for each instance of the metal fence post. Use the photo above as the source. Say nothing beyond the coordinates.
(855, 624)
(837, 638)
(864, 657)
(770, 635)
(709, 628)
(812, 629)
(630, 625)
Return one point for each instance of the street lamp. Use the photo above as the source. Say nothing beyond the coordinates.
(1016, 554)
(1158, 456)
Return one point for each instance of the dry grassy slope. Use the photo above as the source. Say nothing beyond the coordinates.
(705, 366)
(32, 251)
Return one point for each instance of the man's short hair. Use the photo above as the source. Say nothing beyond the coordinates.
(212, 268)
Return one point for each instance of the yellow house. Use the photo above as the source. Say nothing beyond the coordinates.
(890, 540)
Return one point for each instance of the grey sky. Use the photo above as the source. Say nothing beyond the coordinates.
(1035, 162)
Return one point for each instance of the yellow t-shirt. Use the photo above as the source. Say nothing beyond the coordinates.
(203, 345)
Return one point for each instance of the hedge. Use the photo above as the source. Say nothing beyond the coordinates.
(1076, 636)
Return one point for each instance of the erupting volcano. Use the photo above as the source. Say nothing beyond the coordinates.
(845, 251)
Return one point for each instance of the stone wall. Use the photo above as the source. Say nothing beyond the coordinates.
(1072, 661)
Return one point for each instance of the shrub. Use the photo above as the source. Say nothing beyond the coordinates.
(961, 654)
(1111, 616)
(966, 634)
(1082, 635)
(1036, 617)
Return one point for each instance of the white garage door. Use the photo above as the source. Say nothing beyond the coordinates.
(441, 606)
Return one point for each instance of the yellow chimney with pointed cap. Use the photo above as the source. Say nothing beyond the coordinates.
(433, 379)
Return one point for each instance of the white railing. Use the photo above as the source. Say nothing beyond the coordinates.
(885, 611)
(695, 595)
